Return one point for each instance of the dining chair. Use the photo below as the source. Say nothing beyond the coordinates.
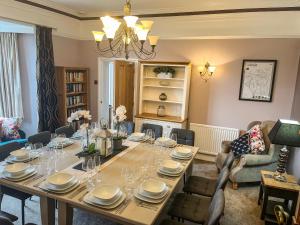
(9, 216)
(184, 136)
(67, 130)
(129, 126)
(42, 137)
(198, 209)
(5, 152)
(7, 221)
(157, 129)
(206, 186)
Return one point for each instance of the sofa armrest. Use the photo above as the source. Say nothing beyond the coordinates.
(258, 160)
(226, 146)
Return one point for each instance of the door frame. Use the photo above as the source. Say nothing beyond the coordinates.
(101, 61)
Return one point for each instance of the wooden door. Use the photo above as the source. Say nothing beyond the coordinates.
(124, 86)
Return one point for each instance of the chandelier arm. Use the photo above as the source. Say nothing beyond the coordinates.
(142, 50)
(140, 54)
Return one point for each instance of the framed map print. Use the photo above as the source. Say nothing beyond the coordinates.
(257, 80)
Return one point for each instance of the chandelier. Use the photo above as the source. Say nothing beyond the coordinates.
(125, 37)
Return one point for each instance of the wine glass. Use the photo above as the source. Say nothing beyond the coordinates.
(173, 136)
(97, 161)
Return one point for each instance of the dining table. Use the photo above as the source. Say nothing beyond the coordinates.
(131, 211)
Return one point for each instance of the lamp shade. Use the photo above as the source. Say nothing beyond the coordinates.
(285, 132)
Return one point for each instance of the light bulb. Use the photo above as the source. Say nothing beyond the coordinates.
(211, 69)
(98, 35)
(153, 40)
(130, 20)
(142, 34)
(147, 24)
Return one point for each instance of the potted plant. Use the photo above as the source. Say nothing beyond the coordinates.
(164, 71)
(119, 117)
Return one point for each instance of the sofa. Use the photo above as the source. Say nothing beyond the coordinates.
(247, 168)
(22, 141)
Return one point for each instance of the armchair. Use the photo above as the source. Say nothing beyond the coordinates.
(248, 167)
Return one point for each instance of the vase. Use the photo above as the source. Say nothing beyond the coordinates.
(163, 97)
(161, 111)
(117, 143)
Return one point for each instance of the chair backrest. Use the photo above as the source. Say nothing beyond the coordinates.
(229, 160)
(6, 149)
(222, 179)
(129, 126)
(5, 221)
(184, 136)
(216, 208)
(42, 137)
(67, 130)
(157, 129)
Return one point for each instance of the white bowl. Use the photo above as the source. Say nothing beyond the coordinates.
(16, 168)
(60, 180)
(170, 165)
(106, 192)
(183, 151)
(153, 187)
(20, 154)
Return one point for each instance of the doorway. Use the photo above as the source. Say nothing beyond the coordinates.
(116, 84)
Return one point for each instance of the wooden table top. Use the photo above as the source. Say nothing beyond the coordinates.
(134, 157)
(290, 185)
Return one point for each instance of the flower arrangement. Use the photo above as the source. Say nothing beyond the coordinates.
(119, 117)
(164, 69)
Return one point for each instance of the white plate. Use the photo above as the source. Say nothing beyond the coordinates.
(171, 165)
(16, 168)
(161, 171)
(60, 180)
(11, 159)
(160, 196)
(44, 187)
(145, 199)
(166, 142)
(136, 137)
(153, 187)
(20, 154)
(54, 188)
(174, 155)
(106, 192)
(106, 203)
(20, 178)
(182, 151)
(112, 206)
(60, 145)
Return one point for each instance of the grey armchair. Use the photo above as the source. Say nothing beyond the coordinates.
(247, 168)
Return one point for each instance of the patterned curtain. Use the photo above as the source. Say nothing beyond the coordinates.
(46, 86)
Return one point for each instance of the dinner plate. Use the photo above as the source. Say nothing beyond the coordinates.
(54, 188)
(61, 145)
(106, 193)
(11, 159)
(174, 155)
(20, 154)
(60, 180)
(106, 203)
(171, 165)
(166, 142)
(88, 200)
(44, 187)
(16, 168)
(19, 176)
(169, 174)
(160, 196)
(28, 175)
(182, 151)
(153, 187)
(146, 199)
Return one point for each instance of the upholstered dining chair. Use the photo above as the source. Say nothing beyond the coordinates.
(4, 152)
(184, 136)
(157, 129)
(129, 126)
(197, 209)
(67, 130)
(206, 186)
(42, 137)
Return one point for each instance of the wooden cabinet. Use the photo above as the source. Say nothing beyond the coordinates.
(175, 88)
(72, 89)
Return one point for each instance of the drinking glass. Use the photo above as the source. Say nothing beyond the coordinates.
(97, 161)
(123, 130)
(90, 168)
(150, 135)
(173, 136)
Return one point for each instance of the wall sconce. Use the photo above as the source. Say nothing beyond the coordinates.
(206, 71)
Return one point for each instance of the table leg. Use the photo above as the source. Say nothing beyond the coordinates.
(65, 214)
(265, 202)
(260, 194)
(47, 211)
(293, 210)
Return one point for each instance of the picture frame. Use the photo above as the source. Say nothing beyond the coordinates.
(257, 80)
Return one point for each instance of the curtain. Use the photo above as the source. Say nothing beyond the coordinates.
(10, 84)
(46, 86)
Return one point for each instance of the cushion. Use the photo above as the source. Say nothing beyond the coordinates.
(10, 127)
(240, 146)
(257, 144)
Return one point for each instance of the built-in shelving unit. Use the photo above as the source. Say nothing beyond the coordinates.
(176, 89)
(72, 88)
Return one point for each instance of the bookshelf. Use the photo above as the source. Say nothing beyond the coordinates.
(73, 90)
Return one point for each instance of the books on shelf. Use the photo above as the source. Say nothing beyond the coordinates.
(75, 100)
(74, 76)
(74, 88)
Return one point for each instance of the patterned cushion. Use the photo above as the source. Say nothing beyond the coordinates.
(257, 144)
(240, 146)
(10, 127)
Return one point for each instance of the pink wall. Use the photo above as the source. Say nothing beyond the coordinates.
(296, 103)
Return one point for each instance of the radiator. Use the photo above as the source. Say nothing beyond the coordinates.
(209, 138)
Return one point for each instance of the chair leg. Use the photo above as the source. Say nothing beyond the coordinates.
(235, 186)
(23, 212)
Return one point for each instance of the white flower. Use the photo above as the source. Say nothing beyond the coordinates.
(120, 114)
(85, 114)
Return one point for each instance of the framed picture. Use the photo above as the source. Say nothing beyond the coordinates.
(257, 80)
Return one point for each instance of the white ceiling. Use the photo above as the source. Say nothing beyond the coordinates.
(93, 7)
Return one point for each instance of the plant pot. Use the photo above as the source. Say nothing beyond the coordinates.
(117, 143)
(86, 155)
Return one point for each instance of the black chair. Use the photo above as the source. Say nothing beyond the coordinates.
(67, 130)
(198, 209)
(157, 129)
(205, 186)
(129, 126)
(5, 220)
(5, 152)
(185, 137)
(42, 137)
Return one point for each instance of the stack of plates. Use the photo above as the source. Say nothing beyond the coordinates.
(182, 153)
(21, 155)
(60, 142)
(171, 168)
(77, 135)
(153, 191)
(18, 171)
(137, 137)
(165, 142)
(60, 183)
(105, 196)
